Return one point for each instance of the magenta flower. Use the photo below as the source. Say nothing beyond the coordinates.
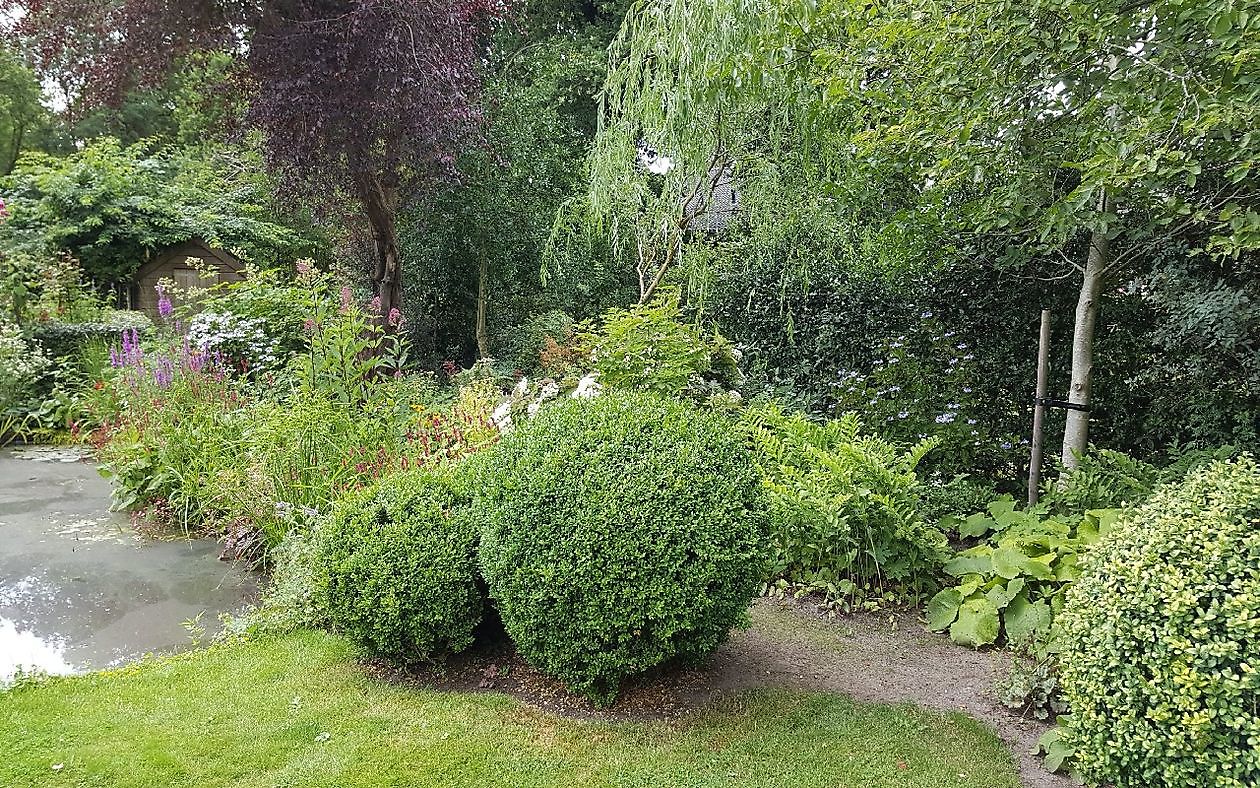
(345, 299)
(374, 306)
(303, 267)
(4, 209)
(309, 325)
(395, 317)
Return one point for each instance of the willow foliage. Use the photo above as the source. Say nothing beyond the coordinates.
(701, 89)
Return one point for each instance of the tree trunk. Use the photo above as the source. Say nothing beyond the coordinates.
(380, 203)
(483, 285)
(1076, 432)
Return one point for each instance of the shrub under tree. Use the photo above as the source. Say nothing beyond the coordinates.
(1163, 639)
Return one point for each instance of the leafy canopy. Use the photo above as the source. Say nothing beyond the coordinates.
(112, 206)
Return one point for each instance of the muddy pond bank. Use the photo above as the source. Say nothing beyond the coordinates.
(79, 589)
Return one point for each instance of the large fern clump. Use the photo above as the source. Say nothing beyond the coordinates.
(843, 505)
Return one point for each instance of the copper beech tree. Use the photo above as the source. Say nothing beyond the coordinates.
(367, 98)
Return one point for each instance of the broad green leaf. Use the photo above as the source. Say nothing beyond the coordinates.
(1056, 746)
(976, 560)
(1009, 562)
(1104, 519)
(1003, 512)
(1039, 567)
(1025, 619)
(1002, 594)
(977, 624)
(1065, 570)
(975, 525)
(943, 609)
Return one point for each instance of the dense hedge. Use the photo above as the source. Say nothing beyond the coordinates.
(1162, 668)
(65, 339)
(620, 533)
(398, 564)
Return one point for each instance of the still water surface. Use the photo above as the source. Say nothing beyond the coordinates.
(79, 590)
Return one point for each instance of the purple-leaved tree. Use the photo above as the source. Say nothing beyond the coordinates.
(370, 99)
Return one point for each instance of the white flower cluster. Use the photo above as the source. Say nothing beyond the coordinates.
(21, 364)
(236, 337)
(533, 397)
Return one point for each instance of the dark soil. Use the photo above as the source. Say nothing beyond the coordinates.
(886, 658)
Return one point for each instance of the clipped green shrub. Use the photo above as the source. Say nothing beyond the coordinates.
(1162, 632)
(65, 339)
(619, 533)
(398, 569)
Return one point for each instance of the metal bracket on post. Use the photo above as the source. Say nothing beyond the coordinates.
(1058, 403)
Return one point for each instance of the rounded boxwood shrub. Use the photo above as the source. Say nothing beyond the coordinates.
(1162, 667)
(398, 568)
(618, 533)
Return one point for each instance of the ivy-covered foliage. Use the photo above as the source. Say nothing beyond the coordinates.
(843, 503)
(398, 568)
(111, 207)
(619, 533)
(1163, 639)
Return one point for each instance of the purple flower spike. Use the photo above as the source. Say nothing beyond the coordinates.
(165, 308)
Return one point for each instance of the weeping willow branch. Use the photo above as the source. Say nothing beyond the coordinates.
(697, 82)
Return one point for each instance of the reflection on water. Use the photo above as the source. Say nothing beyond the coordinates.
(79, 589)
(23, 651)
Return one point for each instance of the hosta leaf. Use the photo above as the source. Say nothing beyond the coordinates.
(1039, 567)
(943, 609)
(1056, 747)
(975, 525)
(1003, 511)
(977, 623)
(1087, 531)
(1025, 619)
(1103, 519)
(1066, 569)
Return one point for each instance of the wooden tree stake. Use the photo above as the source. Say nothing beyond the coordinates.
(1039, 410)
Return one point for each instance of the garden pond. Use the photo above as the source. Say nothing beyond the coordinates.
(80, 590)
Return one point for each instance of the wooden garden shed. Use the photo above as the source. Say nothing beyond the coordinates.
(180, 263)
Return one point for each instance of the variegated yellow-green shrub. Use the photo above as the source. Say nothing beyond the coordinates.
(1162, 659)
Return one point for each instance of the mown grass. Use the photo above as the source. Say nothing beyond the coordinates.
(297, 710)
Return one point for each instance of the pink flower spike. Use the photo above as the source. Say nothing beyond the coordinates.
(374, 306)
(395, 317)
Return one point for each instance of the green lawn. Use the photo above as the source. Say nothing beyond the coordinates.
(297, 710)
